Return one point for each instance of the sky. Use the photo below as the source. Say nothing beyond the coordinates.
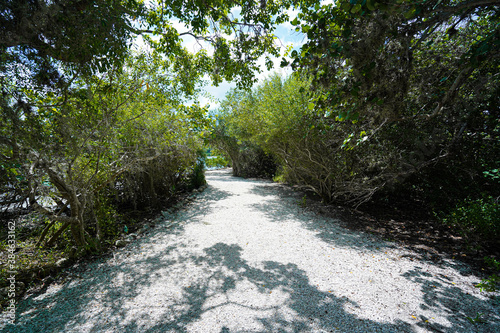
(286, 36)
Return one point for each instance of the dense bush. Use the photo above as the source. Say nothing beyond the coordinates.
(437, 161)
(110, 140)
(477, 219)
(216, 162)
(315, 152)
(416, 81)
(196, 177)
(253, 161)
(247, 158)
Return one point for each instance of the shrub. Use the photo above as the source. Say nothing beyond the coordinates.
(216, 162)
(491, 283)
(479, 219)
(197, 176)
(254, 162)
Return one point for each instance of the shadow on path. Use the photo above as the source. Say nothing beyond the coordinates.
(171, 286)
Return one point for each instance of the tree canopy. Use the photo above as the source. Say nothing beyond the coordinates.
(386, 96)
(371, 56)
(399, 89)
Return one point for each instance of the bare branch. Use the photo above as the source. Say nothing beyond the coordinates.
(58, 233)
(463, 73)
(471, 4)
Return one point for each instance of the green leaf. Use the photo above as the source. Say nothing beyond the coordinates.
(371, 5)
(311, 106)
(356, 8)
(409, 14)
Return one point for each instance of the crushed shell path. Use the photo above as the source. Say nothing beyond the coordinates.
(245, 257)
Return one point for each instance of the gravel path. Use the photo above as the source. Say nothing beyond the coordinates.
(245, 257)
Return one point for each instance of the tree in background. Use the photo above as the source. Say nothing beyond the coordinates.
(239, 34)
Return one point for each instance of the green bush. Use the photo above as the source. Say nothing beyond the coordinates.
(216, 162)
(478, 218)
(105, 215)
(491, 283)
(253, 161)
(197, 176)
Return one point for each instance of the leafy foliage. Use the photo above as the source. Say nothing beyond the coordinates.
(197, 175)
(238, 34)
(216, 162)
(491, 283)
(122, 134)
(415, 79)
(84, 34)
(309, 149)
(478, 218)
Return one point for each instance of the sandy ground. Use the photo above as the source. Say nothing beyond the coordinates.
(245, 257)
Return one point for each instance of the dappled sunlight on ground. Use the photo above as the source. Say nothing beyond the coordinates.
(243, 257)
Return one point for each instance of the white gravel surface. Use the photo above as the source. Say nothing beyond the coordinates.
(245, 257)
